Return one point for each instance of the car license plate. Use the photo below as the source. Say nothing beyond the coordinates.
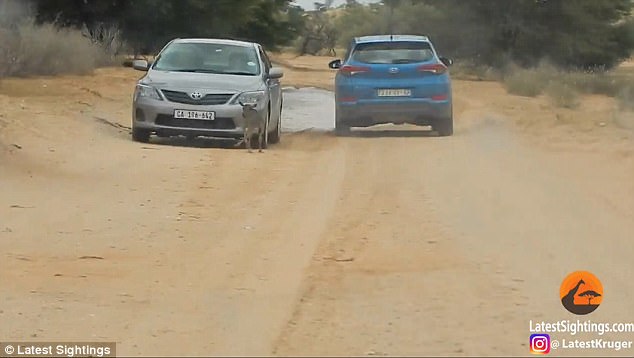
(202, 115)
(394, 93)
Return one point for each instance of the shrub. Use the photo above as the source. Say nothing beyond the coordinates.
(594, 82)
(31, 49)
(525, 82)
(109, 38)
(626, 97)
(469, 70)
(562, 94)
(565, 86)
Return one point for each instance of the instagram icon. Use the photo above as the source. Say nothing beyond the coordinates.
(540, 343)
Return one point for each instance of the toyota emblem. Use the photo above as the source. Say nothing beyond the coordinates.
(394, 70)
(196, 95)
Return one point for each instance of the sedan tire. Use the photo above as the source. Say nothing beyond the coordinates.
(276, 135)
(140, 135)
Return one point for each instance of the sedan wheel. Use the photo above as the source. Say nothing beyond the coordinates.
(140, 135)
(277, 134)
(265, 140)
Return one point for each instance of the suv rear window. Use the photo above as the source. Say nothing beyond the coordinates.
(393, 52)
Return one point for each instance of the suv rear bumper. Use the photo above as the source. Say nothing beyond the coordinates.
(422, 112)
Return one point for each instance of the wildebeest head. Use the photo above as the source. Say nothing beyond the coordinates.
(248, 104)
(248, 108)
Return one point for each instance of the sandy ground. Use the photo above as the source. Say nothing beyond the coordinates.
(390, 242)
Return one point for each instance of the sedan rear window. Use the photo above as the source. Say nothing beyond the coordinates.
(393, 52)
(209, 58)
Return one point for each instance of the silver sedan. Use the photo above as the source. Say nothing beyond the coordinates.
(194, 87)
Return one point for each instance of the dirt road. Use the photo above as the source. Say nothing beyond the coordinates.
(390, 242)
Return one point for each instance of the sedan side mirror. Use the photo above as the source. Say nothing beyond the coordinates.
(140, 65)
(275, 72)
(335, 64)
(446, 61)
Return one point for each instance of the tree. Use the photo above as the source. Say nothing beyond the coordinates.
(391, 6)
(590, 294)
(569, 33)
(148, 24)
(271, 24)
(319, 30)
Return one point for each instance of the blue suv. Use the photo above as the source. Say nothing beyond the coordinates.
(393, 79)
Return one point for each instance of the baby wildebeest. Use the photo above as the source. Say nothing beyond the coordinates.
(253, 124)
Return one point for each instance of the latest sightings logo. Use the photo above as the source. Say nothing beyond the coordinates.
(540, 343)
(581, 292)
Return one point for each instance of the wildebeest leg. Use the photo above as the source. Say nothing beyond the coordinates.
(247, 140)
(243, 139)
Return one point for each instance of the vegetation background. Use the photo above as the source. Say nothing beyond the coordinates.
(534, 46)
(577, 33)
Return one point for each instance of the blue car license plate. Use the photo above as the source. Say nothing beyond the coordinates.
(394, 92)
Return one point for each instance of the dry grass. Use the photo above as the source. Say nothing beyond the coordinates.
(563, 95)
(626, 98)
(29, 49)
(565, 87)
(626, 95)
(603, 83)
(469, 71)
(523, 82)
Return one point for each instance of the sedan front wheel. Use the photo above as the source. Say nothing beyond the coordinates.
(277, 133)
(140, 135)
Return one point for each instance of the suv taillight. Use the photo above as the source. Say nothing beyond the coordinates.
(349, 70)
(435, 68)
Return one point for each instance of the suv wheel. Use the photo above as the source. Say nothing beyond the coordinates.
(444, 126)
(140, 135)
(340, 128)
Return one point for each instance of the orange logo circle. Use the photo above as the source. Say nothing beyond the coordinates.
(581, 292)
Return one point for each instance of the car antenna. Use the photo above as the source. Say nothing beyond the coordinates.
(391, 37)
